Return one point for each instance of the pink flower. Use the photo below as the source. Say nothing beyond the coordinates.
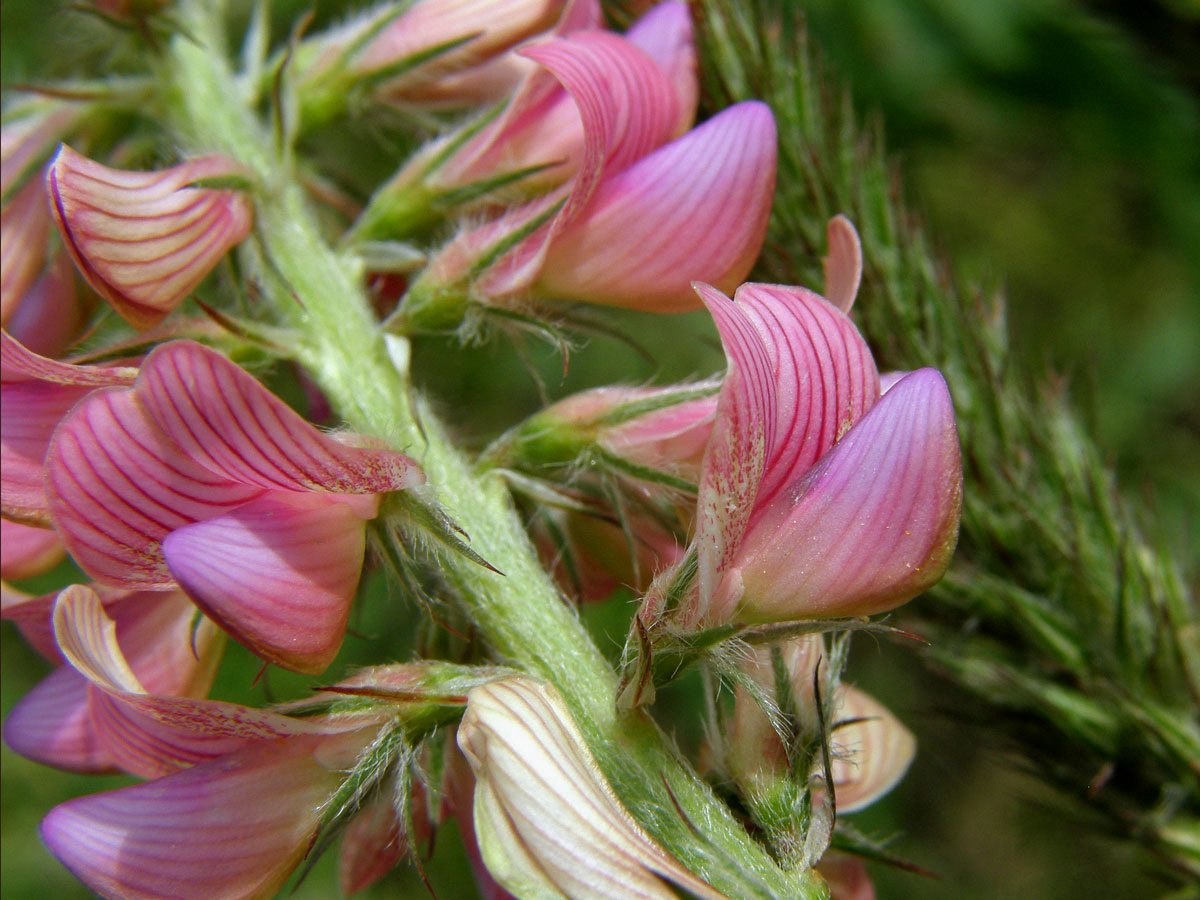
(815, 499)
(434, 53)
(631, 229)
(650, 77)
(37, 392)
(198, 477)
(66, 721)
(238, 795)
(145, 240)
(542, 125)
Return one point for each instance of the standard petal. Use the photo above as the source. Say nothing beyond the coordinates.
(626, 107)
(32, 410)
(743, 433)
(144, 240)
(665, 33)
(52, 724)
(545, 817)
(229, 829)
(278, 574)
(116, 486)
(696, 209)
(824, 375)
(872, 525)
(224, 419)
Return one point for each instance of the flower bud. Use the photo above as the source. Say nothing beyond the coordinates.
(547, 822)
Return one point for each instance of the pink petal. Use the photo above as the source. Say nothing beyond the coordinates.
(844, 264)
(32, 410)
(872, 525)
(372, 845)
(150, 645)
(743, 433)
(37, 392)
(26, 551)
(824, 375)
(27, 141)
(665, 33)
(846, 876)
(224, 419)
(19, 363)
(278, 573)
(626, 108)
(696, 209)
(52, 724)
(53, 312)
(31, 614)
(24, 234)
(144, 240)
(494, 24)
(116, 486)
(227, 829)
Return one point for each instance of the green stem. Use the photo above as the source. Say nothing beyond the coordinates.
(520, 613)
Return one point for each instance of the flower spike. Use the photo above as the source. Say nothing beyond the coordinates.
(144, 240)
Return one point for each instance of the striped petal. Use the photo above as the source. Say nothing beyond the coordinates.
(147, 670)
(278, 574)
(743, 434)
(229, 829)
(825, 378)
(144, 240)
(24, 233)
(19, 363)
(37, 392)
(597, 104)
(547, 822)
(872, 750)
(225, 420)
(666, 35)
(696, 209)
(870, 526)
(117, 485)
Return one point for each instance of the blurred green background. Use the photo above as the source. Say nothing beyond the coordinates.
(1053, 147)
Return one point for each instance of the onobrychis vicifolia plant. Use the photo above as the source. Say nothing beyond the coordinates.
(178, 260)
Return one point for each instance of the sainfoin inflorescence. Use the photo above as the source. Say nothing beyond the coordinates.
(218, 419)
